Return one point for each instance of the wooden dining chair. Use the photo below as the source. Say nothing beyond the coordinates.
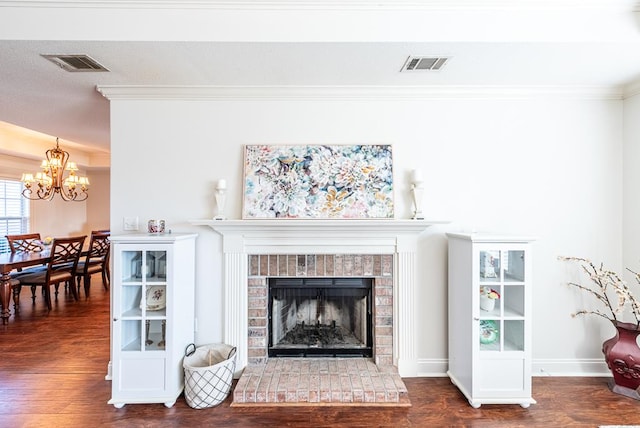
(95, 261)
(107, 272)
(65, 253)
(107, 264)
(25, 243)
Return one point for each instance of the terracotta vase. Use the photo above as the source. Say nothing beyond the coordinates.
(622, 355)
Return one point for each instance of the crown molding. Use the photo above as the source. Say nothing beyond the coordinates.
(353, 93)
(632, 89)
(613, 5)
(308, 20)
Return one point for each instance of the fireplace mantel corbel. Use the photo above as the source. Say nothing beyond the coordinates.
(272, 236)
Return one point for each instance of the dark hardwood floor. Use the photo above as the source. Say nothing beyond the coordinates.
(52, 370)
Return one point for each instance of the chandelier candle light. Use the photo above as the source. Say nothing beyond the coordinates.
(51, 180)
(221, 190)
(417, 192)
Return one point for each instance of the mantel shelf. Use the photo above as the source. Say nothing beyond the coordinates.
(266, 226)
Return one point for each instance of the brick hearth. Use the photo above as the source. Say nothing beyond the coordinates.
(318, 381)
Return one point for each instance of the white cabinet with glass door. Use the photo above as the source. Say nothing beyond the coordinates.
(152, 313)
(490, 318)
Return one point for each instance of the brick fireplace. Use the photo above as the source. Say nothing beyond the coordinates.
(379, 267)
(254, 250)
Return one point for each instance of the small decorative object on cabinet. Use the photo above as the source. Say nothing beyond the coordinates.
(156, 226)
(490, 318)
(153, 316)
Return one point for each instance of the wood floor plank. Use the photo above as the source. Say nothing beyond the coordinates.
(52, 368)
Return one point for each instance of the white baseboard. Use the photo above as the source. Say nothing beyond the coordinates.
(433, 367)
(437, 367)
(565, 367)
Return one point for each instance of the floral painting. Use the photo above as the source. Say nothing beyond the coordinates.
(318, 181)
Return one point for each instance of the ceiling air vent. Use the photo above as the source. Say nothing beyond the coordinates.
(76, 62)
(415, 63)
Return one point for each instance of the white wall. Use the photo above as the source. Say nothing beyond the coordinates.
(631, 213)
(98, 204)
(548, 167)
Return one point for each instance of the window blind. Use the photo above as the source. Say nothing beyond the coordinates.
(14, 212)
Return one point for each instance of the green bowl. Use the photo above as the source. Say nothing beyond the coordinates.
(489, 332)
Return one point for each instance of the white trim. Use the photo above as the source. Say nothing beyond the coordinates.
(631, 90)
(570, 367)
(432, 367)
(575, 5)
(279, 228)
(594, 367)
(354, 93)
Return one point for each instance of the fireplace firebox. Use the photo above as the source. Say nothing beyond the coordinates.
(320, 317)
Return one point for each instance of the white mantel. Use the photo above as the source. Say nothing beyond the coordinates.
(317, 236)
(242, 238)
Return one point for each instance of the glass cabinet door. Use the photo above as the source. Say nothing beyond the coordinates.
(501, 299)
(143, 300)
(131, 266)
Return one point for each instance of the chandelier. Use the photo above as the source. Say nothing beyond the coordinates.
(51, 180)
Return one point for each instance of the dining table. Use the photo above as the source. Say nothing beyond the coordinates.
(8, 263)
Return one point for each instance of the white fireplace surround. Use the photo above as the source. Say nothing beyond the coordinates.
(242, 238)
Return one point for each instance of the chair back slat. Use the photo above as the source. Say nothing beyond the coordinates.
(98, 247)
(65, 253)
(24, 243)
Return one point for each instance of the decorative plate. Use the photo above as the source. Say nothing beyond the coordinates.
(488, 331)
(156, 298)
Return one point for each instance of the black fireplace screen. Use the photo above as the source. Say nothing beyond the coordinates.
(320, 317)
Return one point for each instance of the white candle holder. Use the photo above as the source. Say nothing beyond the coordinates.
(221, 198)
(416, 194)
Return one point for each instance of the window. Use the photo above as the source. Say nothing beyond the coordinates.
(14, 212)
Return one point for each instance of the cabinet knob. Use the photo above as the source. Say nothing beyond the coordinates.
(476, 319)
(115, 319)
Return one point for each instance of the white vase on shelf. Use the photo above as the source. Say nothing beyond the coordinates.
(487, 303)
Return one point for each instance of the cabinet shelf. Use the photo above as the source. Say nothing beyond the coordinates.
(507, 314)
(132, 313)
(508, 348)
(149, 280)
(511, 313)
(161, 313)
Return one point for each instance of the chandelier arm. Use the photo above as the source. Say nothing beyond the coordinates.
(41, 194)
(26, 192)
(71, 194)
(45, 192)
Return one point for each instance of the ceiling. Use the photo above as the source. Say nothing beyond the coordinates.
(570, 47)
